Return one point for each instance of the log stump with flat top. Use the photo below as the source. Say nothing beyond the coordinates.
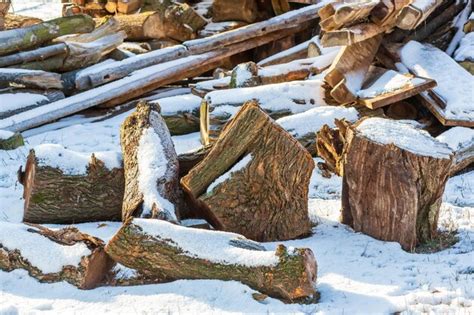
(394, 179)
(255, 179)
(161, 250)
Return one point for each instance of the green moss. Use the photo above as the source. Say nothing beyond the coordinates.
(12, 143)
(443, 240)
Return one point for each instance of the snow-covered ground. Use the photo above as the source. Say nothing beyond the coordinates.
(356, 273)
(42, 9)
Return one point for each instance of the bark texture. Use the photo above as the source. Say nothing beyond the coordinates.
(265, 200)
(230, 10)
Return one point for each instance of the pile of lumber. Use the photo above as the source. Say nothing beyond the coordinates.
(378, 89)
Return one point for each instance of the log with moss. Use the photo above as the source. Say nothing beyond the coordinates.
(394, 179)
(10, 140)
(259, 187)
(63, 186)
(54, 256)
(35, 35)
(167, 251)
(151, 166)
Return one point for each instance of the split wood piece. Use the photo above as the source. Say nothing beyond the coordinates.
(64, 187)
(41, 53)
(31, 78)
(277, 100)
(151, 167)
(10, 140)
(13, 104)
(260, 187)
(155, 248)
(54, 255)
(347, 73)
(230, 10)
(128, 6)
(415, 13)
(181, 113)
(393, 183)
(28, 37)
(386, 12)
(13, 21)
(338, 14)
(351, 35)
(461, 140)
(132, 86)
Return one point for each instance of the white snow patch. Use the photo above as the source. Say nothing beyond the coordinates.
(389, 82)
(179, 103)
(241, 74)
(15, 101)
(457, 137)
(5, 134)
(466, 48)
(236, 168)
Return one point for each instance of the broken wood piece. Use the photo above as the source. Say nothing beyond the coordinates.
(229, 10)
(54, 255)
(461, 141)
(10, 140)
(394, 179)
(415, 13)
(63, 187)
(151, 166)
(31, 78)
(290, 276)
(228, 185)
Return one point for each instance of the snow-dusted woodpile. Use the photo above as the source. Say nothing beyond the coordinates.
(380, 91)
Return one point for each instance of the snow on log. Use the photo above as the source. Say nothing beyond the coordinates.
(461, 141)
(31, 78)
(170, 252)
(330, 142)
(10, 140)
(260, 187)
(28, 37)
(63, 186)
(54, 255)
(20, 100)
(337, 14)
(415, 13)
(351, 35)
(151, 166)
(181, 113)
(394, 179)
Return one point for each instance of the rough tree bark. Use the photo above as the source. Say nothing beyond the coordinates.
(266, 199)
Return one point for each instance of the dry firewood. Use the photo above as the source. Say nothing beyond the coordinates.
(151, 166)
(229, 10)
(10, 140)
(156, 248)
(461, 140)
(351, 35)
(229, 185)
(111, 6)
(54, 256)
(415, 13)
(190, 159)
(128, 6)
(62, 186)
(16, 101)
(4, 7)
(394, 178)
(31, 78)
(338, 14)
(14, 40)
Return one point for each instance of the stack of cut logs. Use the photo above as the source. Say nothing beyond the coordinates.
(366, 96)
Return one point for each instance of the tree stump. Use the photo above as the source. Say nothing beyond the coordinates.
(65, 187)
(54, 256)
(151, 166)
(394, 178)
(259, 187)
(169, 252)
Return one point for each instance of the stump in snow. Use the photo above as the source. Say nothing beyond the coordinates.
(151, 166)
(10, 140)
(63, 186)
(255, 179)
(168, 251)
(54, 256)
(394, 178)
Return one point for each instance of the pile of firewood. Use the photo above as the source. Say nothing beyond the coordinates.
(371, 87)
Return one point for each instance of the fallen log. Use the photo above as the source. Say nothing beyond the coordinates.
(10, 140)
(28, 37)
(156, 247)
(393, 181)
(31, 78)
(54, 255)
(62, 186)
(41, 53)
(181, 113)
(151, 167)
(230, 187)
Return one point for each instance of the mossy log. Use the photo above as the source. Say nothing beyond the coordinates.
(89, 272)
(11, 142)
(265, 196)
(230, 10)
(35, 35)
(151, 166)
(149, 247)
(394, 181)
(55, 195)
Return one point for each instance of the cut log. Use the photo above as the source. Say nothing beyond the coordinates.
(151, 167)
(20, 100)
(54, 256)
(64, 187)
(13, 21)
(336, 15)
(31, 78)
(299, 51)
(156, 248)
(28, 37)
(4, 7)
(10, 140)
(415, 13)
(181, 113)
(232, 187)
(351, 35)
(33, 55)
(394, 179)
(229, 10)
(128, 6)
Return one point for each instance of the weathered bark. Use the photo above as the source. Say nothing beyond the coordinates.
(390, 192)
(230, 10)
(291, 278)
(31, 78)
(136, 136)
(28, 37)
(12, 142)
(54, 196)
(266, 199)
(50, 96)
(88, 274)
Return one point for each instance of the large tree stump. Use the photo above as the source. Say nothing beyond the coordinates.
(64, 187)
(167, 251)
(259, 187)
(394, 178)
(151, 166)
(54, 256)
